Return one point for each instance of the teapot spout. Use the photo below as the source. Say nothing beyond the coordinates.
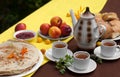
(74, 20)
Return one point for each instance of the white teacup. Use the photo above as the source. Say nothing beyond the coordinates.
(59, 49)
(108, 48)
(81, 60)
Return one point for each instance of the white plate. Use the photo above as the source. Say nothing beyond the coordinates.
(92, 66)
(97, 51)
(32, 70)
(116, 38)
(48, 54)
(48, 37)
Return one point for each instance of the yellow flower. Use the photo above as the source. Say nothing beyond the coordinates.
(81, 9)
(68, 15)
(77, 13)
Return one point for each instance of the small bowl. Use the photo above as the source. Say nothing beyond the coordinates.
(27, 35)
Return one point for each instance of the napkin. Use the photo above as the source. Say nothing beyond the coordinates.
(46, 12)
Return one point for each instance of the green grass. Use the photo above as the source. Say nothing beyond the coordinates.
(11, 11)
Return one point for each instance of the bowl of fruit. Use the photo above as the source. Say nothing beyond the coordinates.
(56, 30)
(27, 35)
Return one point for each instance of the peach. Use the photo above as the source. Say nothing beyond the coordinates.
(20, 26)
(56, 21)
(54, 32)
(44, 28)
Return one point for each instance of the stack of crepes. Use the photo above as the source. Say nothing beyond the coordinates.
(17, 57)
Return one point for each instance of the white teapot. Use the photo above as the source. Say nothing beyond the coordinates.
(86, 31)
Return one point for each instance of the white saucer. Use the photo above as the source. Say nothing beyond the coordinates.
(116, 38)
(48, 54)
(92, 66)
(97, 51)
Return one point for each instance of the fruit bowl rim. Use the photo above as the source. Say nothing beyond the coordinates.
(48, 37)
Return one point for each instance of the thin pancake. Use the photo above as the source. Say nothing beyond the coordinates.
(13, 60)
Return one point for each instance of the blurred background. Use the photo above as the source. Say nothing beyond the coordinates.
(11, 11)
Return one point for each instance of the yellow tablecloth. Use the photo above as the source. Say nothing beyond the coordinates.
(46, 12)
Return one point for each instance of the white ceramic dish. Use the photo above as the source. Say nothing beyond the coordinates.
(32, 70)
(97, 51)
(48, 37)
(117, 38)
(23, 31)
(92, 66)
(48, 54)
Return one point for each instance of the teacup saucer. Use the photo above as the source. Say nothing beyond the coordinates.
(48, 54)
(97, 51)
(92, 66)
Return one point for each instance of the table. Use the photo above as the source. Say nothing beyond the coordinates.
(106, 69)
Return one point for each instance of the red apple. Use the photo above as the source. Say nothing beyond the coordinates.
(20, 26)
(65, 29)
(54, 32)
(56, 21)
(44, 28)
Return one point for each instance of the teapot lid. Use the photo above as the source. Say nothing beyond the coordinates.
(87, 14)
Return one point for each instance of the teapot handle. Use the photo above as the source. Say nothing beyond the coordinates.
(102, 29)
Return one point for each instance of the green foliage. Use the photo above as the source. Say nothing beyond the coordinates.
(97, 59)
(63, 63)
(11, 11)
